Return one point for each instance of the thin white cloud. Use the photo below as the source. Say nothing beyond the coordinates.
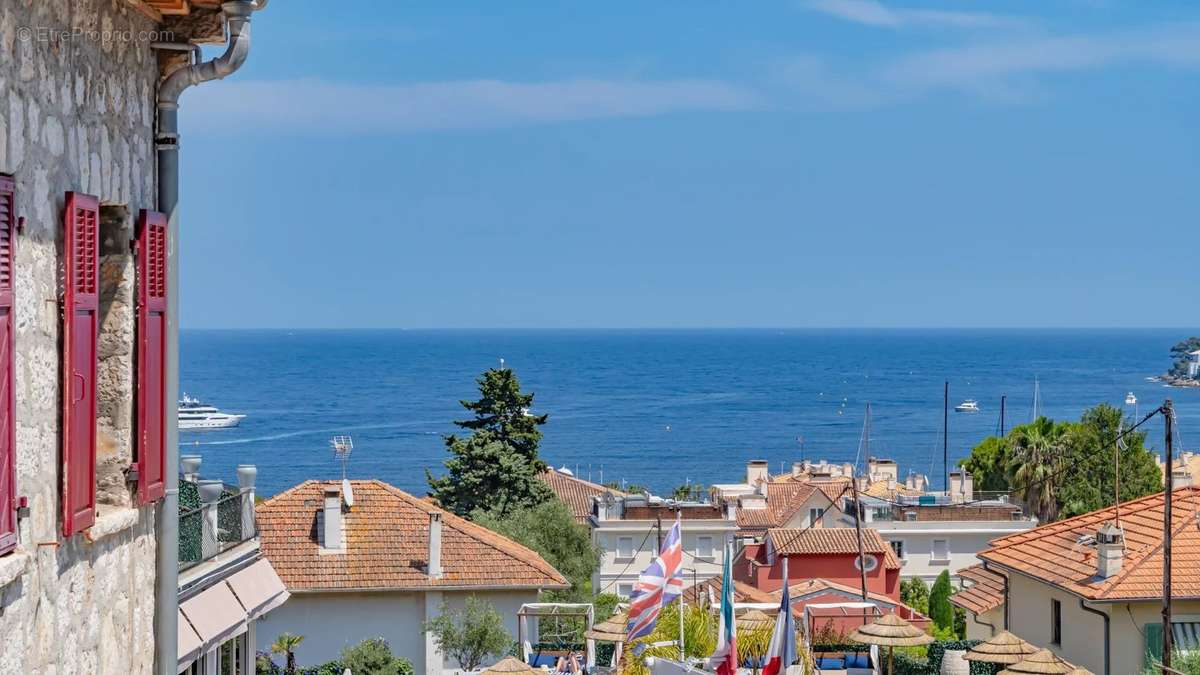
(311, 105)
(874, 13)
(990, 64)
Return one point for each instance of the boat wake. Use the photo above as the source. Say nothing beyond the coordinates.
(314, 432)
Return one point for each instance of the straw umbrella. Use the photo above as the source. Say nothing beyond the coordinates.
(891, 631)
(510, 665)
(1041, 662)
(755, 619)
(1004, 648)
(612, 629)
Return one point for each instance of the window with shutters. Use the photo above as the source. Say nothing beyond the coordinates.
(150, 439)
(8, 455)
(81, 303)
(941, 550)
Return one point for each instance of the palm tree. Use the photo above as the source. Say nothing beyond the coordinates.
(287, 643)
(1037, 453)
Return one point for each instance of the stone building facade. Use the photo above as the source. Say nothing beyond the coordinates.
(78, 81)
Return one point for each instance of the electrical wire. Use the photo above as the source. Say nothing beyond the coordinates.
(629, 564)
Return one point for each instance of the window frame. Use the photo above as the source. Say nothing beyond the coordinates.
(711, 553)
(815, 515)
(899, 549)
(620, 555)
(1056, 622)
(933, 552)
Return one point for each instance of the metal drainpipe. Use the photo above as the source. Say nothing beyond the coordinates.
(1005, 577)
(1104, 615)
(166, 524)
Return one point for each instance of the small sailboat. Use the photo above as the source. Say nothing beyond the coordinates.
(1130, 399)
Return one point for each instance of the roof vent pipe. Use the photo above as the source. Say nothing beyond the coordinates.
(435, 545)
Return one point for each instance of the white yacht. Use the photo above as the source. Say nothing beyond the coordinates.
(968, 406)
(194, 414)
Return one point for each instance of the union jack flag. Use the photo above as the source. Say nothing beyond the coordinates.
(658, 585)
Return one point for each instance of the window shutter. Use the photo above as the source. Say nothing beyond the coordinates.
(1154, 639)
(8, 454)
(151, 247)
(81, 302)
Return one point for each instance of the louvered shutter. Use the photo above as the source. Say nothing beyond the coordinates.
(1154, 645)
(151, 246)
(8, 454)
(81, 302)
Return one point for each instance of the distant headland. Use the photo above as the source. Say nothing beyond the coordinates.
(1185, 364)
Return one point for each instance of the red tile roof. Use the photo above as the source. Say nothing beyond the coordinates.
(986, 591)
(836, 540)
(576, 493)
(387, 544)
(783, 500)
(1056, 555)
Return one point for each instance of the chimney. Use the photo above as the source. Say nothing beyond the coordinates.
(435, 545)
(331, 530)
(753, 502)
(757, 471)
(1110, 551)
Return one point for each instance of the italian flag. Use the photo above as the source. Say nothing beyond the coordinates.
(725, 659)
(782, 651)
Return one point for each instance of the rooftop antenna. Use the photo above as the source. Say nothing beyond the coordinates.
(342, 447)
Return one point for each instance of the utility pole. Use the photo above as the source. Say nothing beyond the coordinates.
(862, 564)
(946, 438)
(658, 524)
(1168, 411)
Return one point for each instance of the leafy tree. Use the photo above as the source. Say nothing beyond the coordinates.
(915, 594)
(960, 623)
(1036, 464)
(988, 464)
(469, 635)
(605, 605)
(699, 638)
(630, 488)
(1179, 355)
(1090, 484)
(940, 609)
(286, 644)
(496, 468)
(375, 657)
(551, 530)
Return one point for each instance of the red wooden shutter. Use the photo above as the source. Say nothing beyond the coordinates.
(81, 301)
(8, 454)
(151, 246)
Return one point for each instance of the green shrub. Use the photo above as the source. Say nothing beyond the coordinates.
(373, 656)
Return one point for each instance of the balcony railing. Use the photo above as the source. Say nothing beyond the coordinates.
(207, 529)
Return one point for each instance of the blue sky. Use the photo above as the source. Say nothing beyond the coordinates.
(698, 164)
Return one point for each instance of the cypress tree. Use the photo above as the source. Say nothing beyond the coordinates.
(940, 609)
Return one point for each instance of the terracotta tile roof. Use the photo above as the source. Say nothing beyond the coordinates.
(742, 592)
(576, 493)
(1054, 554)
(816, 586)
(819, 541)
(387, 540)
(986, 591)
(784, 499)
(880, 489)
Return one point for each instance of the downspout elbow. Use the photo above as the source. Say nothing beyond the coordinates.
(1104, 615)
(237, 15)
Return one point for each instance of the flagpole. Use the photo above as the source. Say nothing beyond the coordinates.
(682, 654)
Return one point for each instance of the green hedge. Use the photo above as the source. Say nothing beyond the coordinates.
(911, 665)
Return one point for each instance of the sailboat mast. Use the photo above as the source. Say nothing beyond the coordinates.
(946, 437)
(1003, 398)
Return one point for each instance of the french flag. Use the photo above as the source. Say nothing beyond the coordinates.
(782, 651)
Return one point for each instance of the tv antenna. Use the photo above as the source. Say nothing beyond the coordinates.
(342, 447)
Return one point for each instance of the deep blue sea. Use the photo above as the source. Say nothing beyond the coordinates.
(653, 407)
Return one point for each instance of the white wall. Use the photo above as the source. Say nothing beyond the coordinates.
(615, 571)
(964, 539)
(330, 622)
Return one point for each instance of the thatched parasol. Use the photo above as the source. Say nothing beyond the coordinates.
(1004, 648)
(754, 620)
(612, 629)
(1041, 662)
(891, 631)
(509, 665)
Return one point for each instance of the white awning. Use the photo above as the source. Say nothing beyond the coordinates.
(216, 614)
(190, 644)
(258, 588)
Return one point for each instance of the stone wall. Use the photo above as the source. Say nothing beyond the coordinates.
(77, 81)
